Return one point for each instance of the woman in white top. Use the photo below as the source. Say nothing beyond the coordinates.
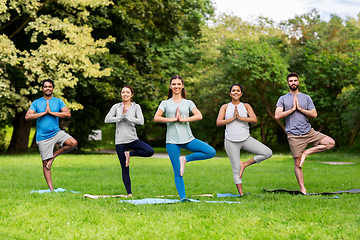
(237, 116)
(126, 114)
(178, 134)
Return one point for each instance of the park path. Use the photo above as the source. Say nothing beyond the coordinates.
(156, 155)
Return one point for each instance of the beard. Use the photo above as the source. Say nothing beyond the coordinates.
(293, 87)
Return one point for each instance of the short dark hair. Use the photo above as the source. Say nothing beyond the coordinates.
(236, 85)
(292, 74)
(48, 80)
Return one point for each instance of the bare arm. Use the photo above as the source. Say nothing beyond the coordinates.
(32, 115)
(309, 113)
(221, 121)
(280, 113)
(196, 117)
(160, 119)
(251, 115)
(64, 113)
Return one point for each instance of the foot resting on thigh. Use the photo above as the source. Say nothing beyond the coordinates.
(302, 159)
(127, 155)
(182, 165)
(49, 163)
(242, 168)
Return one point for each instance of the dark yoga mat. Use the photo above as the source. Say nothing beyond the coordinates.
(296, 192)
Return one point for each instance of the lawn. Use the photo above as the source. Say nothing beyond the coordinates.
(257, 215)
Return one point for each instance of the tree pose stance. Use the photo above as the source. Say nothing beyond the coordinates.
(237, 116)
(179, 134)
(295, 107)
(126, 114)
(47, 110)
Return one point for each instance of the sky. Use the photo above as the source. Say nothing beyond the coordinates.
(280, 10)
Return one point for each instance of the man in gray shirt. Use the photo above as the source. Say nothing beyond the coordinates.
(295, 107)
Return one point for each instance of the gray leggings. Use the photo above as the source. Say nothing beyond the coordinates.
(251, 145)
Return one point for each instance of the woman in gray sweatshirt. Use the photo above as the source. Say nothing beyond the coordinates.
(126, 114)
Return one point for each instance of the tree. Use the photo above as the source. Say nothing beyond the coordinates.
(40, 40)
(326, 54)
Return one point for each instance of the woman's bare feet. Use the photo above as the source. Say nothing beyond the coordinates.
(182, 165)
(127, 155)
(242, 168)
(129, 195)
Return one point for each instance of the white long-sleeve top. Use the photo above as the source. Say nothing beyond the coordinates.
(125, 122)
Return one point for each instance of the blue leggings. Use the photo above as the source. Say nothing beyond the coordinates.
(139, 149)
(201, 151)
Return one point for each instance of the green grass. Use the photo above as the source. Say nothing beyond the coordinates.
(260, 215)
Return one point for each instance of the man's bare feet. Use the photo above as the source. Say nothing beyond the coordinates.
(49, 163)
(182, 165)
(242, 168)
(303, 191)
(127, 155)
(302, 159)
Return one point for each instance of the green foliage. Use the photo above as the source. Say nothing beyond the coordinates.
(326, 54)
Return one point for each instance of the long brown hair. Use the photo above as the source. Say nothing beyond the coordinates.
(131, 90)
(183, 93)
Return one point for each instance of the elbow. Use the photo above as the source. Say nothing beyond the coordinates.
(315, 115)
(277, 117)
(26, 118)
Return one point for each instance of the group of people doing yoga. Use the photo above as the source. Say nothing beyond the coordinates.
(175, 112)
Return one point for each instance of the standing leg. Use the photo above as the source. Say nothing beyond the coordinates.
(68, 145)
(174, 154)
(233, 151)
(254, 146)
(120, 149)
(47, 175)
(299, 174)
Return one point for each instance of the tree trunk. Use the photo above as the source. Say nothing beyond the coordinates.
(20, 137)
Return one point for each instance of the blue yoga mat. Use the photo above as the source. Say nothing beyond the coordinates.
(55, 190)
(162, 201)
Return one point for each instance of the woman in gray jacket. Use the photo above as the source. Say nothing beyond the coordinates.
(126, 114)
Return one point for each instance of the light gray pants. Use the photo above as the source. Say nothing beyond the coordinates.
(251, 145)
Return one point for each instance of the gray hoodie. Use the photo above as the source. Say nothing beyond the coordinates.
(125, 123)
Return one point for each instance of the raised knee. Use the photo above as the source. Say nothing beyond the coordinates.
(150, 152)
(331, 144)
(212, 153)
(269, 153)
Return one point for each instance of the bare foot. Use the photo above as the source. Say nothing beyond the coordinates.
(302, 159)
(182, 165)
(303, 191)
(129, 195)
(49, 164)
(242, 168)
(127, 155)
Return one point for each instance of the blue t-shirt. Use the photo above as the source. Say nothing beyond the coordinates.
(296, 123)
(47, 126)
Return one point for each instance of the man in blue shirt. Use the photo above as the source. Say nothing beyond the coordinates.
(47, 110)
(295, 107)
